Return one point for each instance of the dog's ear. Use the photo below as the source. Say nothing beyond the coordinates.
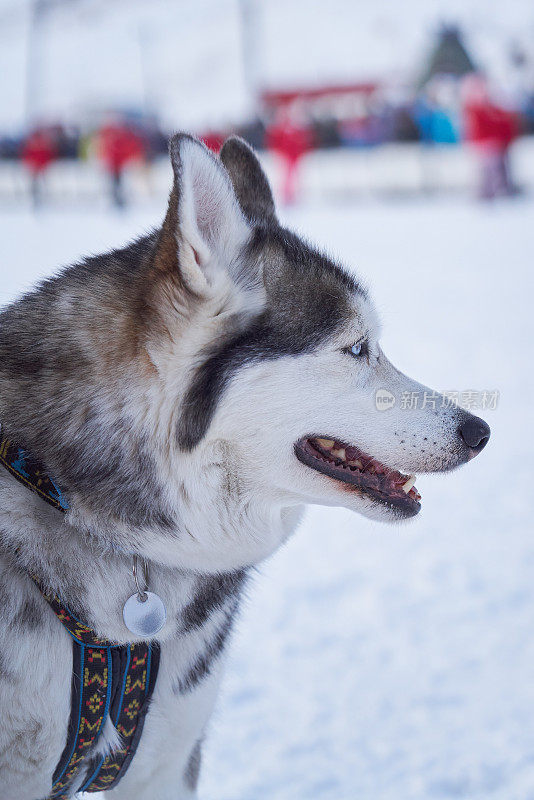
(205, 229)
(250, 182)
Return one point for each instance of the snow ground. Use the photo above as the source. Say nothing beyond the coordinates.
(378, 663)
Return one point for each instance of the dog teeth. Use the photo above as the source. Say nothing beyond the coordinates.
(339, 453)
(326, 443)
(356, 463)
(409, 484)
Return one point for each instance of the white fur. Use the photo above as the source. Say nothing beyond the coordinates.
(34, 721)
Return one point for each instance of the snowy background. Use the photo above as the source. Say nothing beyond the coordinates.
(100, 53)
(378, 662)
(370, 662)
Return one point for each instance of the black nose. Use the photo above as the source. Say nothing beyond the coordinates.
(475, 432)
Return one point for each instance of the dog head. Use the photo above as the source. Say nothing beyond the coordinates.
(285, 371)
(193, 391)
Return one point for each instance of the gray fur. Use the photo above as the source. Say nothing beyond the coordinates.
(308, 299)
(250, 183)
(21, 612)
(214, 647)
(55, 397)
(30, 615)
(6, 673)
(192, 771)
(213, 591)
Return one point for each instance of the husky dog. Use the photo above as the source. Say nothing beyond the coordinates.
(190, 393)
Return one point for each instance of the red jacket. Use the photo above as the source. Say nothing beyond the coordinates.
(39, 151)
(118, 145)
(489, 125)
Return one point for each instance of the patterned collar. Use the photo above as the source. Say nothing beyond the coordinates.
(108, 680)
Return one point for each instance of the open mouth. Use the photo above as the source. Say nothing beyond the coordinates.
(359, 471)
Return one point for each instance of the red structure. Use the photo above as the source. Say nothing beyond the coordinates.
(317, 100)
(293, 113)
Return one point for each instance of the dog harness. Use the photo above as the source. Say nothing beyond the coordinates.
(108, 680)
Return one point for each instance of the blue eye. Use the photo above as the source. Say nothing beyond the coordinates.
(357, 350)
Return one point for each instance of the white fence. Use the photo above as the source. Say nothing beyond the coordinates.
(395, 169)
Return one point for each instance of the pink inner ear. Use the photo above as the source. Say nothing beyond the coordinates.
(197, 257)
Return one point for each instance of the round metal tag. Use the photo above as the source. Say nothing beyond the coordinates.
(144, 617)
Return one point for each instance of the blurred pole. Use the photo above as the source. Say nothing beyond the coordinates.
(37, 10)
(144, 41)
(34, 66)
(250, 49)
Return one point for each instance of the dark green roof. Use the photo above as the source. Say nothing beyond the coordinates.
(449, 57)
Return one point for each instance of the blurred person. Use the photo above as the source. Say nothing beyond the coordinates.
(527, 114)
(155, 141)
(290, 139)
(436, 125)
(491, 128)
(403, 125)
(326, 132)
(39, 151)
(253, 132)
(67, 141)
(435, 113)
(118, 146)
(366, 131)
(213, 140)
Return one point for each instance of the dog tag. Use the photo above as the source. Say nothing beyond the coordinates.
(145, 614)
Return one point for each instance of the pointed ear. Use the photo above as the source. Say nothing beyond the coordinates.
(204, 228)
(250, 182)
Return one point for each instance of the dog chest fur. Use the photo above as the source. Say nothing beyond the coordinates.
(36, 653)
